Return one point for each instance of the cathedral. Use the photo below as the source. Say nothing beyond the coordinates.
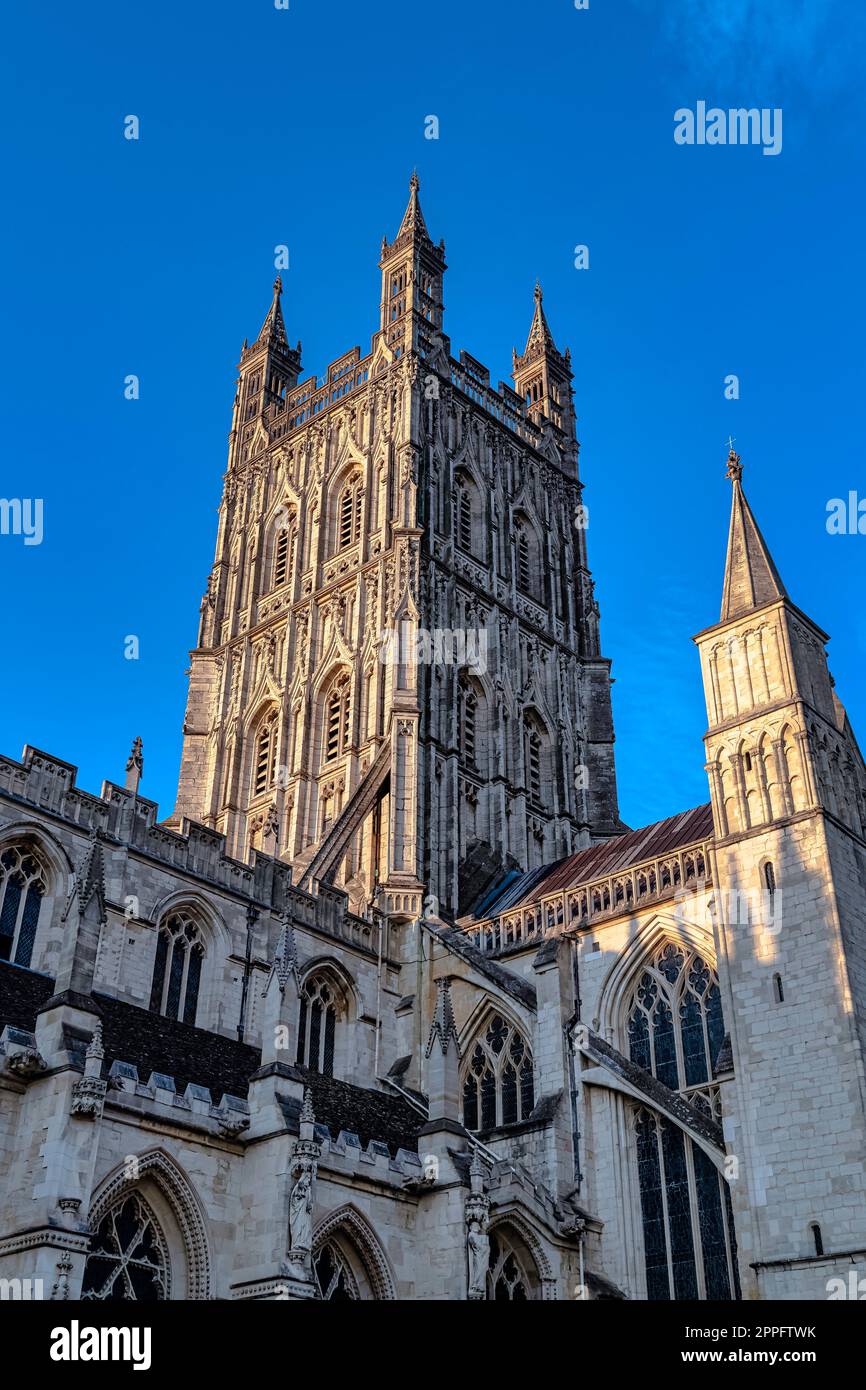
(393, 1005)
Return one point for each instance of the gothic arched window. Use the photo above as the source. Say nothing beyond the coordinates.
(264, 765)
(320, 1009)
(334, 1278)
(177, 969)
(675, 1026)
(533, 756)
(22, 887)
(336, 730)
(349, 513)
(468, 515)
(498, 1082)
(526, 558)
(464, 519)
(507, 1278)
(128, 1260)
(284, 554)
(468, 730)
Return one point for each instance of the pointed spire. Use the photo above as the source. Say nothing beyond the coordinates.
(89, 880)
(443, 1027)
(286, 955)
(413, 217)
(413, 228)
(751, 577)
(308, 1114)
(274, 329)
(540, 335)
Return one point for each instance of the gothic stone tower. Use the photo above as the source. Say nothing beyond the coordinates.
(789, 803)
(397, 683)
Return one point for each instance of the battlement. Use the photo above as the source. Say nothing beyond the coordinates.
(47, 785)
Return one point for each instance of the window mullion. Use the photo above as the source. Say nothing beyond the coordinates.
(697, 1234)
(169, 961)
(667, 1215)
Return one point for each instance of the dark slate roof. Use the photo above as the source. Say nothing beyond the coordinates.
(371, 1115)
(149, 1041)
(461, 945)
(22, 994)
(156, 1044)
(608, 857)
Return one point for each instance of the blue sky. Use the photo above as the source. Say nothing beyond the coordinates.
(260, 127)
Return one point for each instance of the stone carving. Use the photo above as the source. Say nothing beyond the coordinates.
(26, 1064)
(477, 1240)
(301, 1212)
(60, 1287)
(478, 1248)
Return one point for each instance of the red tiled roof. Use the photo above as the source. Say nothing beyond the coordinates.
(609, 857)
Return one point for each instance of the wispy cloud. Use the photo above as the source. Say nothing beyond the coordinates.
(767, 43)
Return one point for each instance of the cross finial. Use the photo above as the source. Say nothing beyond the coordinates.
(414, 181)
(278, 285)
(735, 468)
(538, 294)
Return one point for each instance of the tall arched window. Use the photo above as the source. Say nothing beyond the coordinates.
(336, 724)
(284, 554)
(468, 515)
(498, 1082)
(675, 1031)
(349, 513)
(264, 766)
(128, 1260)
(22, 887)
(468, 730)
(177, 969)
(320, 1009)
(464, 519)
(533, 757)
(526, 558)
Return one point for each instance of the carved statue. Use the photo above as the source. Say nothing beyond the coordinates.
(301, 1212)
(478, 1247)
